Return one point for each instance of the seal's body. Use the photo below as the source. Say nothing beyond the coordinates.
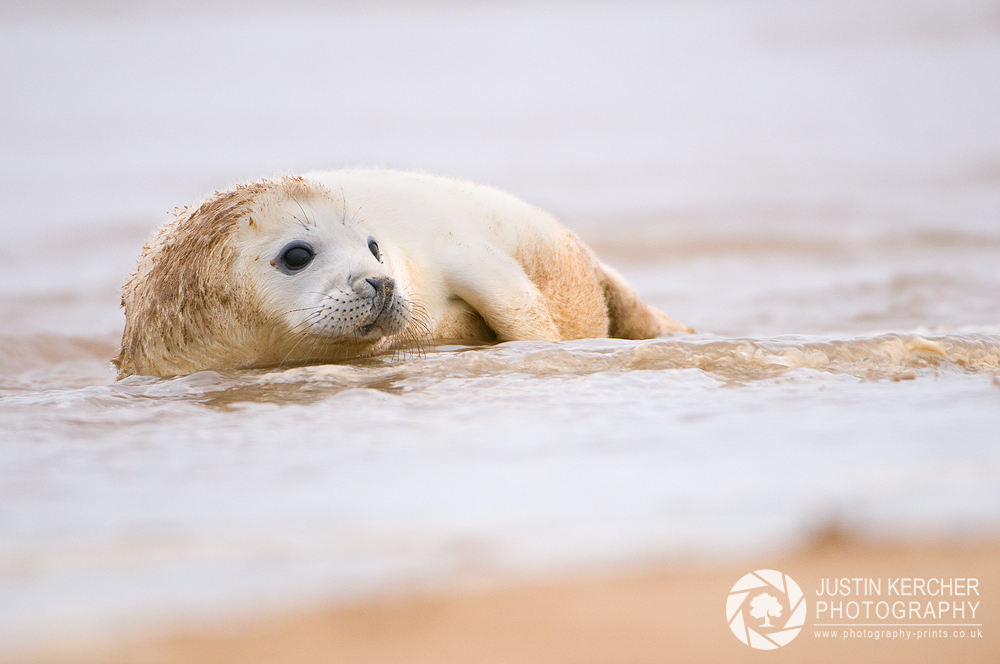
(351, 263)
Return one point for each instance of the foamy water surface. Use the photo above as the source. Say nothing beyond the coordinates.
(815, 191)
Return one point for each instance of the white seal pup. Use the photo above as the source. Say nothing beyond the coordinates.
(335, 265)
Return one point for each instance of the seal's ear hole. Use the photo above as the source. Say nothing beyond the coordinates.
(373, 247)
(294, 257)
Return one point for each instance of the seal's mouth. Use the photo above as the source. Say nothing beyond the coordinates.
(381, 319)
(380, 327)
(370, 331)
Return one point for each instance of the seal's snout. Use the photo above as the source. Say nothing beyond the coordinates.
(384, 288)
(381, 293)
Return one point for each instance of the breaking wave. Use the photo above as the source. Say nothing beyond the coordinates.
(732, 361)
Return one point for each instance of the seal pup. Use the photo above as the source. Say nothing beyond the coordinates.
(334, 265)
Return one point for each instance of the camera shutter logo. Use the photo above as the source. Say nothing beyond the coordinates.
(766, 609)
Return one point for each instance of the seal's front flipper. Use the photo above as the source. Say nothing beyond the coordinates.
(495, 285)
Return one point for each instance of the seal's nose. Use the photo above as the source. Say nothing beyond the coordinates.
(384, 290)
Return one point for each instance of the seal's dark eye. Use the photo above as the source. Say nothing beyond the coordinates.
(294, 257)
(373, 247)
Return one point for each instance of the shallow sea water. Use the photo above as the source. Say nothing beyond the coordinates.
(845, 289)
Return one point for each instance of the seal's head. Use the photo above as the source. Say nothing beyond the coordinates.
(266, 274)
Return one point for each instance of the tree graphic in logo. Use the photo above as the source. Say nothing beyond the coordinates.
(779, 592)
(764, 606)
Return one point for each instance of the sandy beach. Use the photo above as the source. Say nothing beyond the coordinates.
(658, 614)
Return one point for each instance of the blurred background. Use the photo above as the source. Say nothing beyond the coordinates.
(815, 121)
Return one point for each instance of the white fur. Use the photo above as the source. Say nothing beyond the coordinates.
(459, 261)
(447, 241)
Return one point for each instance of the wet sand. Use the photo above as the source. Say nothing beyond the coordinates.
(670, 613)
